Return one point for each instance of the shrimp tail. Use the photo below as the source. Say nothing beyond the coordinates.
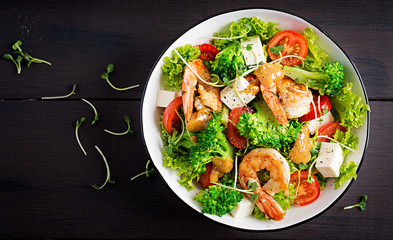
(274, 104)
(267, 204)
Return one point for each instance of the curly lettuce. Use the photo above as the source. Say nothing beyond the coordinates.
(346, 138)
(247, 27)
(347, 172)
(173, 67)
(350, 107)
(316, 57)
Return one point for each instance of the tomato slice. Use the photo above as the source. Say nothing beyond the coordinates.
(329, 130)
(307, 192)
(170, 118)
(204, 179)
(208, 52)
(233, 134)
(294, 44)
(324, 103)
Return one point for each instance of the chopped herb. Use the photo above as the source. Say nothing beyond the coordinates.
(277, 49)
(361, 205)
(78, 124)
(95, 111)
(108, 172)
(105, 76)
(147, 171)
(127, 119)
(65, 96)
(249, 47)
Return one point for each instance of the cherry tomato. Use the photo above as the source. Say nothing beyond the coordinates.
(325, 103)
(307, 192)
(294, 44)
(204, 179)
(170, 118)
(233, 134)
(208, 52)
(329, 130)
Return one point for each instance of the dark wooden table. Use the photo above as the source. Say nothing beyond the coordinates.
(45, 179)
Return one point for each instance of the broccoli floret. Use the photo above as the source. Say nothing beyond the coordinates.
(262, 129)
(228, 62)
(211, 142)
(218, 200)
(328, 81)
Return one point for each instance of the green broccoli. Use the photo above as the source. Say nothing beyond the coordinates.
(228, 63)
(218, 200)
(263, 130)
(211, 142)
(328, 81)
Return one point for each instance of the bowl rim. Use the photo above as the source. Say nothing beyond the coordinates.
(367, 124)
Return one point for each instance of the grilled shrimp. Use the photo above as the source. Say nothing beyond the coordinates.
(269, 74)
(300, 153)
(273, 161)
(295, 98)
(209, 96)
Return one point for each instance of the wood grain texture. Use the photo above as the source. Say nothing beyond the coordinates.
(45, 179)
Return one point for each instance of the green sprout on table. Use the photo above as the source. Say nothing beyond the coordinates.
(95, 111)
(22, 55)
(64, 96)
(105, 76)
(127, 119)
(78, 124)
(108, 172)
(148, 171)
(361, 205)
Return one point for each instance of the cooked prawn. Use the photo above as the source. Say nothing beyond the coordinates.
(269, 74)
(300, 153)
(220, 167)
(209, 96)
(295, 98)
(271, 160)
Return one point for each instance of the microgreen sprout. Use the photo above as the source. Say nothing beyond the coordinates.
(95, 111)
(105, 76)
(276, 49)
(127, 119)
(249, 47)
(78, 124)
(16, 62)
(361, 205)
(108, 172)
(148, 171)
(27, 56)
(65, 96)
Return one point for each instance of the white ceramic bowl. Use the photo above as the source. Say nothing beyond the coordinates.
(151, 116)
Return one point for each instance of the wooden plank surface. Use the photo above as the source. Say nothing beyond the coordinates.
(45, 179)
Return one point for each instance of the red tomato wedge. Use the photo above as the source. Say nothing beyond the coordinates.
(307, 192)
(294, 44)
(204, 179)
(324, 103)
(170, 118)
(329, 130)
(233, 134)
(208, 52)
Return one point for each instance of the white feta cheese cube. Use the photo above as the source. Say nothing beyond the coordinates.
(330, 159)
(243, 209)
(165, 97)
(230, 98)
(327, 118)
(255, 55)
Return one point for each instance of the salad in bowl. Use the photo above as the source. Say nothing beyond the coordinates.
(259, 123)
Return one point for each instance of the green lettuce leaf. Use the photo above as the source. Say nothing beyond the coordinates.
(347, 172)
(250, 27)
(350, 107)
(173, 67)
(316, 57)
(348, 139)
(176, 157)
